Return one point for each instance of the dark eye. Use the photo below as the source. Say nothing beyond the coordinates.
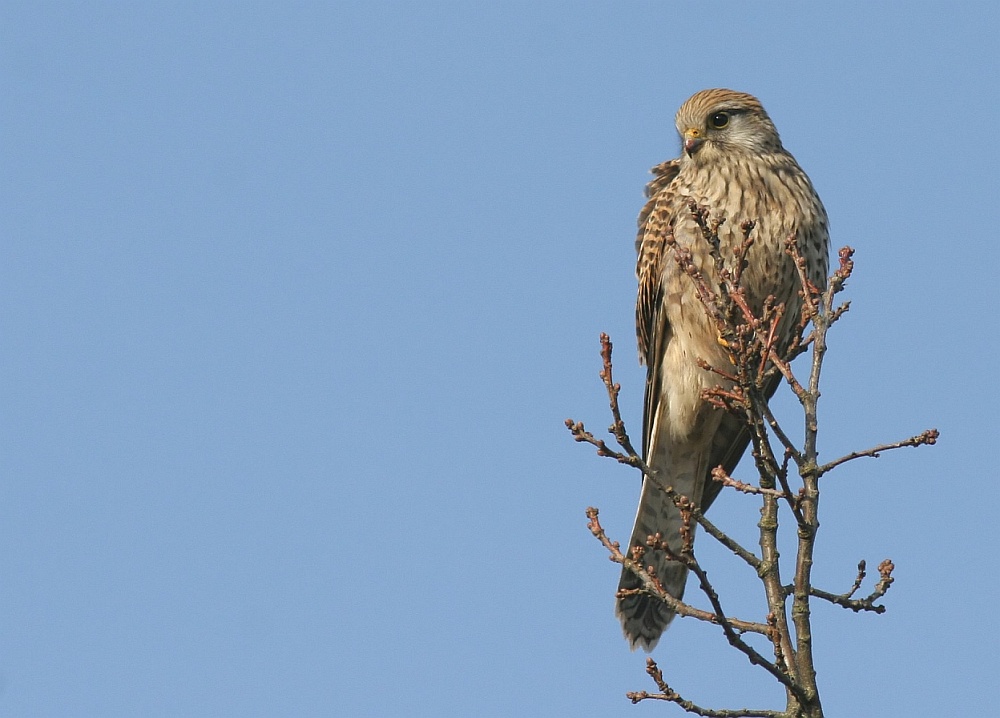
(719, 120)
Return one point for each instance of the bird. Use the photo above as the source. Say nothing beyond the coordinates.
(733, 164)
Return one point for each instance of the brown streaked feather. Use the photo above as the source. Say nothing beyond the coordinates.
(663, 175)
(652, 330)
(654, 225)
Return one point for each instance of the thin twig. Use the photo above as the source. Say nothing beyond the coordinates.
(928, 438)
(720, 475)
(669, 694)
(651, 584)
(617, 428)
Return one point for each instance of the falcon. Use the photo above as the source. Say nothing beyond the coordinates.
(732, 163)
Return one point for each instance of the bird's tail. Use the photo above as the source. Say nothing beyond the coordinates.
(644, 617)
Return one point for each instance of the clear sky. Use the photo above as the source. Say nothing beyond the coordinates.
(295, 297)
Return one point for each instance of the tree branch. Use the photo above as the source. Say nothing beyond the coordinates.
(928, 438)
(668, 694)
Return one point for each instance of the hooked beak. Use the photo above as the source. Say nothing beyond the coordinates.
(693, 139)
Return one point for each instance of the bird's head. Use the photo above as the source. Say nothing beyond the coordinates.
(714, 123)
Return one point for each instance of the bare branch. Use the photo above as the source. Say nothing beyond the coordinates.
(928, 438)
(617, 427)
(579, 433)
(720, 475)
(868, 602)
(668, 694)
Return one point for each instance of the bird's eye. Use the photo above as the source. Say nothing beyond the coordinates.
(719, 120)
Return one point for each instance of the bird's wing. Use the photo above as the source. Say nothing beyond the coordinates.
(652, 330)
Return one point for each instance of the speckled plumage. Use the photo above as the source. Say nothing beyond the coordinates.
(740, 172)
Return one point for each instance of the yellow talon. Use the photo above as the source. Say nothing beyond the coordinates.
(728, 347)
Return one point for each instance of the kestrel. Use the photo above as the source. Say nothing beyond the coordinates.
(732, 162)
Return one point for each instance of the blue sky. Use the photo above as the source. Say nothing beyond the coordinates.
(294, 298)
